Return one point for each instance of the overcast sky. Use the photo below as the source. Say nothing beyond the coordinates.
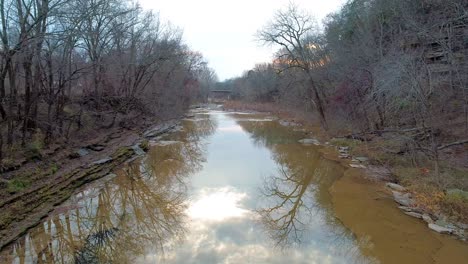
(224, 30)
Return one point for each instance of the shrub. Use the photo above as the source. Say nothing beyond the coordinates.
(33, 149)
(456, 194)
(16, 185)
(53, 168)
(429, 198)
(343, 142)
(7, 163)
(455, 204)
(144, 145)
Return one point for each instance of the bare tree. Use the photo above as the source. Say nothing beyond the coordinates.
(296, 33)
(59, 57)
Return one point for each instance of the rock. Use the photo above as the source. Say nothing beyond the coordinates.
(403, 199)
(288, 123)
(344, 156)
(79, 153)
(159, 129)
(343, 149)
(414, 214)
(460, 233)
(441, 221)
(427, 218)
(440, 229)
(395, 186)
(138, 150)
(102, 161)
(283, 123)
(405, 208)
(309, 141)
(362, 159)
(177, 129)
(96, 147)
(110, 176)
(357, 166)
(82, 152)
(462, 225)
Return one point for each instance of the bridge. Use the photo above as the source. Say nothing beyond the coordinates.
(220, 94)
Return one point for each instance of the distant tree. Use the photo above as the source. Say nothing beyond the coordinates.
(297, 34)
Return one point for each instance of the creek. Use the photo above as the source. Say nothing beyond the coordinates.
(232, 188)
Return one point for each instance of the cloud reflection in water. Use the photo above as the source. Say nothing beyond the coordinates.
(217, 204)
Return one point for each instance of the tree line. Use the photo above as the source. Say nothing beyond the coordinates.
(65, 64)
(375, 66)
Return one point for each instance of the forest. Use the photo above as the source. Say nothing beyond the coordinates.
(387, 78)
(88, 65)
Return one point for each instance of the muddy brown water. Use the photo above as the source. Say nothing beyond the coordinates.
(232, 188)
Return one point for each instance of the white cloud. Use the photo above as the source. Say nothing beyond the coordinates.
(224, 30)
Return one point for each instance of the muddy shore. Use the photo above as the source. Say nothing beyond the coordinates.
(380, 176)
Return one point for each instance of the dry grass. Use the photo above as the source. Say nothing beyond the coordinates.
(432, 191)
(455, 206)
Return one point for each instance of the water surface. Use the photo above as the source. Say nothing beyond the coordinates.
(228, 188)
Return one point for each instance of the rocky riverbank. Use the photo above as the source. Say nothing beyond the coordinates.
(436, 222)
(403, 197)
(72, 167)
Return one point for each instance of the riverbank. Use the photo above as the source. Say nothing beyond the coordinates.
(436, 201)
(365, 206)
(29, 192)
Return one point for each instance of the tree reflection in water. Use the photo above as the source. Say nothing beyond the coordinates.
(140, 211)
(296, 206)
(283, 218)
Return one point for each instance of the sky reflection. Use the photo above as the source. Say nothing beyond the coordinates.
(231, 128)
(217, 204)
(225, 225)
(210, 193)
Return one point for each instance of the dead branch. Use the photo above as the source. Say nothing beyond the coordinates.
(456, 143)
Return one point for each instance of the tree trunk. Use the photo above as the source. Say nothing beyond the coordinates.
(27, 122)
(49, 123)
(319, 102)
(11, 103)
(1, 146)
